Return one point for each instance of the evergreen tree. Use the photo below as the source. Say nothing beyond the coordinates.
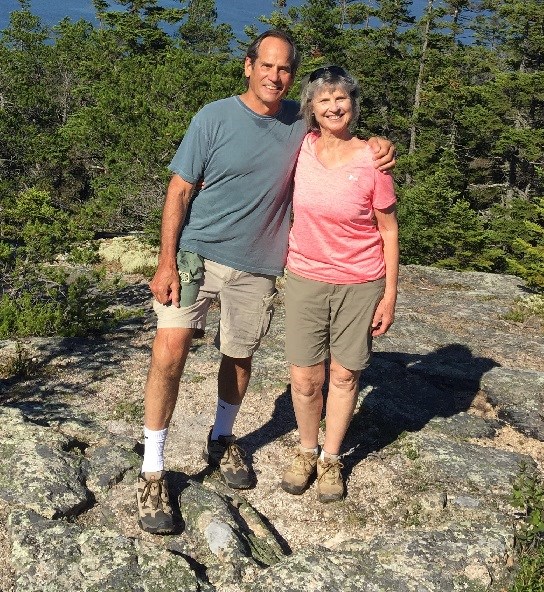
(137, 23)
(90, 116)
(27, 106)
(318, 32)
(200, 30)
(382, 58)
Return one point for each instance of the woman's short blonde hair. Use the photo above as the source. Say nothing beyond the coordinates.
(328, 78)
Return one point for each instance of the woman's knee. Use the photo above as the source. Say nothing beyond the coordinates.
(306, 382)
(342, 378)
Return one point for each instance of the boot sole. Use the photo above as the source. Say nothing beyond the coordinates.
(248, 485)
(294, 489)
(327, 499)
(156, 530)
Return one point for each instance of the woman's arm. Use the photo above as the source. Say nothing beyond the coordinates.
(389, 231)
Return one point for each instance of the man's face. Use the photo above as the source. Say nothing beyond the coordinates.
(269, 76)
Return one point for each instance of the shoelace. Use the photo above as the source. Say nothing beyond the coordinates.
(235, 453)
(331, 471)
(155, 496)
(302, 464)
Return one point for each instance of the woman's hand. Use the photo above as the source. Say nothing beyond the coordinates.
(384, 153)
(383, 317)
(389, 231)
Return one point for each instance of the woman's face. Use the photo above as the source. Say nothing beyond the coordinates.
(332, 109)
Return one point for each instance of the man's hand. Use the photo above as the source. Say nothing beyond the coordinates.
(165, 284)
(383, 317)
(384, 153)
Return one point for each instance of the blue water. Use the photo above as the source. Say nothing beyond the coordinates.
(237, 13)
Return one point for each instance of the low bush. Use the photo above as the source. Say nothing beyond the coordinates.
(43, 301)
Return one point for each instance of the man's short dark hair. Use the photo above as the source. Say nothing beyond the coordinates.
(253, 49)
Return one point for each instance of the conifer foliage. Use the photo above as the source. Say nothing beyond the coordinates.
(90, 115)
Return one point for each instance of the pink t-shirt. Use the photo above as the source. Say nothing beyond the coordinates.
(334, 237)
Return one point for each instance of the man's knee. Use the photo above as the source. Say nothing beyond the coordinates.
(241, 363)
(170, 349)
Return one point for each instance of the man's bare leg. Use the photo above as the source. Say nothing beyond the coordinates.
(221, 450)
(233, 379)
(170, 350)
(232, 383)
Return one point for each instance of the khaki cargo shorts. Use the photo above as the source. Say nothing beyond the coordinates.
(323, 319)
(246, 308)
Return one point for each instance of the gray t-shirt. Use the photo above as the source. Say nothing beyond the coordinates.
(241, 216)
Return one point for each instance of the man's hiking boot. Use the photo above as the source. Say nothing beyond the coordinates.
(330, 485)
(297, 477)
(154, 510)
(225, 454)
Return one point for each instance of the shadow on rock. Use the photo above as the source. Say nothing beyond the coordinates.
(281, 422)
(403, 392)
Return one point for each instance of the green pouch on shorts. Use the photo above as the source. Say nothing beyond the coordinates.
(191, 270)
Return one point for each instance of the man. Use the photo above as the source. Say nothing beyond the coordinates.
(245, 148)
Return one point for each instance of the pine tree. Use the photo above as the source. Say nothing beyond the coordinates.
(137, 23)
(200, 31)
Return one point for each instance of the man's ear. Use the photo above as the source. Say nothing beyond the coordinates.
(248, 66)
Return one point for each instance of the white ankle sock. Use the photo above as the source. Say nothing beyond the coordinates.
(324, 455)
(154, 449)
(224, 419)
(314, 450)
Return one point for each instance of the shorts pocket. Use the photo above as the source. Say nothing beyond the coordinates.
(266, 315)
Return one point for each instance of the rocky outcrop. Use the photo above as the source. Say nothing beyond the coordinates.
(450, 409)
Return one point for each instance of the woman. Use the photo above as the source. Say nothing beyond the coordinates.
(342, 270)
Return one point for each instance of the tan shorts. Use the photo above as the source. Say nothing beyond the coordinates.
(246, 308)
(323, 319)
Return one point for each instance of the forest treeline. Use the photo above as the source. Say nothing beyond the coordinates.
(91, 114)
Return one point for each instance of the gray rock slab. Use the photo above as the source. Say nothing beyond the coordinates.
(455, 559)
(463, 425)
(228, 535)
(439, 517)
(37, 471)
(482, 469)
(108, 464)
(468, 282)
(519, 395)
(402, 400)
(56, 556)
(443, 560)
(264, 547)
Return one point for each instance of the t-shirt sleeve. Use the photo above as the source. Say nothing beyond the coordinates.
(190, 158)
(384, 190)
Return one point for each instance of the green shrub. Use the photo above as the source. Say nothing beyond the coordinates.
(530, 575)
(17, 365)
(526, 307)
(41, 301)
(40, 229)
(86, 254)
(528, 496)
